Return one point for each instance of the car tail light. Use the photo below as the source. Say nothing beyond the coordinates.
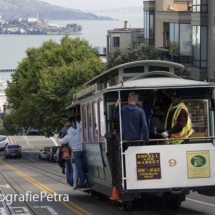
(8, 150)
(19, 151)
(44, 153)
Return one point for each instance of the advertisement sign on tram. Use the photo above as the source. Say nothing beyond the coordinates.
(93, 155)
(148, 166)
(198, 164)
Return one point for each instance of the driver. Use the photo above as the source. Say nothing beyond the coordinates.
(178, 123)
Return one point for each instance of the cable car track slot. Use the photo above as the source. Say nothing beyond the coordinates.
(8, 207)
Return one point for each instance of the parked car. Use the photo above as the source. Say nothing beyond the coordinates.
(56, 156)
(21, 133)
(3, 142)
(52, 152)
(13, 151)
(35, 131)
(44, 152)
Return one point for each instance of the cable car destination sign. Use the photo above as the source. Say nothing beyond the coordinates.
(148, 166)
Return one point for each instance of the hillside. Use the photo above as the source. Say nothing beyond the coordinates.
(30, 9)
(125, 10)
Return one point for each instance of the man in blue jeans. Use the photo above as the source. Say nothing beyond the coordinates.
(69, 170)
(73, 137)
(134, 124)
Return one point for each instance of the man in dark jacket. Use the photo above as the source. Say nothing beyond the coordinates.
(134, 124)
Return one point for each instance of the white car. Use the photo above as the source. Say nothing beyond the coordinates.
(43, 153)
(3, 142)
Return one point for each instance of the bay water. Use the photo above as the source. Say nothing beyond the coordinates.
(13, 46)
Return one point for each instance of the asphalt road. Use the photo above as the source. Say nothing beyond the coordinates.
(38, 179)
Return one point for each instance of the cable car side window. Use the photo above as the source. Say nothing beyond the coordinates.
(101, 119)
(89, 116)
(198, 115)
(95, 121)
(84, 123)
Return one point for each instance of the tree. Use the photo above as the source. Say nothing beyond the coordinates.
(121, 55)
(45, 81)
(79, 28)
(9, 125)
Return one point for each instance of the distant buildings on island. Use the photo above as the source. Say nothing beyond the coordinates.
(36, 26)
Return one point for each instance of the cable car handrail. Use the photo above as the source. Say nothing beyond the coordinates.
(169, 139)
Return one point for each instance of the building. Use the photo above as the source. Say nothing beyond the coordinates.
(185, 30)
(122, 37)
(13, 20)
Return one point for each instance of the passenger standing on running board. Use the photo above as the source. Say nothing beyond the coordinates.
(134, 123)
(74, 140)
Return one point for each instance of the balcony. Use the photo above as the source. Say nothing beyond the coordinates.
(179, 6)
(164, 49)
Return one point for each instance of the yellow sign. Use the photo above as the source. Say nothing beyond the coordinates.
(198, 164)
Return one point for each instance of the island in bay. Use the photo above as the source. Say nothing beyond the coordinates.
(14, 9)
(36, 26)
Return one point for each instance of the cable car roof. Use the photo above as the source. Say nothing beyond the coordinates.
(153, 80)
(176, 66)
(159, 83)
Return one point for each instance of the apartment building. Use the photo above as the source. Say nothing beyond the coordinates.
(185, 30)
(123, 37)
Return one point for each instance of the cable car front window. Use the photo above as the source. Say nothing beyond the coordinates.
(198, 115)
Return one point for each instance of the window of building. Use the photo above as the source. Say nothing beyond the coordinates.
(116, 41)
(158, 68)
(101, 119)
(89, 116)
(174, 41)
(200, 6)
(185, 48)
(109, 45)
(149, 27)
(199, 43)
(180, 40)
(84, 123)
(137, 69)
(95, 121)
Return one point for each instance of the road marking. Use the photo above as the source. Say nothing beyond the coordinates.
(6, 186)
(3, 211)
(27, 141)
(33, 160)
(50, 209)
(204, 203)
(44, 163)
(56, 144)
(71, 205)
(21, 210)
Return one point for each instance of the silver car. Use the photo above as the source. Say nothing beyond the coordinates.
(3, 142)
(13, 151)
(44, 152)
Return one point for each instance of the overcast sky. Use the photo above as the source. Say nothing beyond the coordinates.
(95, 4)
